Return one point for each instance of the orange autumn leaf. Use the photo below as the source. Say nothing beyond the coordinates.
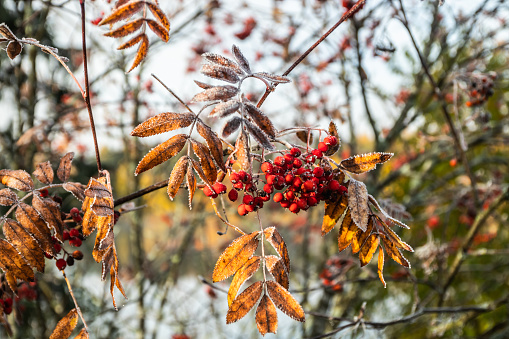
(365, 162)
(278, 270)
(141, 54)
(162, 153)
(163, 122)
(24, 243)
(64, 168)
(44, 173)
(333, 211)
(276, 240)
(177, 176)
(347, 232)
(285, 301)
(266, 316)
(381, 265)
(126, 29)
(243, 274)
(65, 326)
(17, 179)
(368, 249)
(123, 12)
(244, 302)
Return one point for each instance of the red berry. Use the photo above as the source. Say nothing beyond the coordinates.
(66, 235)
(267, 167)
(285, 203)
(43, 193)
(75, 242)
(297, 163)
(258, 202)
(278, 197)
(247, 178)
(209, 193)
(219, 187)
(265, 198)
(268, 188)
(322, 147)
(288, 158)
(271, 179)
(343, 189)
(317, 153)
(74, 211)
(294, 208)
(249, 187)
(239, 185)
(250, 208)
(334, 185)
(248, 199)
(57, 247)
(74, 233)
(289, 195)
(303, 204)
(310, 158)
(233, 195)
(300, 171)
(297, 182)
(289, 179)
(47, 255)
(295, 152)
(61, 264)
(309, 186)
(330, 140)
(242, 175)
(312, 201)
(78, 255)
(242, 209)
(234, 178)
(279, 161)
(318, 172)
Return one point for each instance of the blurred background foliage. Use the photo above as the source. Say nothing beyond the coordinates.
(371, 77)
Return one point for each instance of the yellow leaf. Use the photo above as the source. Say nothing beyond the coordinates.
(162, 153)
(381, 265)
(361, 236)
(177, 176)
(276, 240)
(347, 232)
(65, 326)
(368, 249)
(163, 122)
(243, 274)
(365, 162)
(17, 179)
(333, 211)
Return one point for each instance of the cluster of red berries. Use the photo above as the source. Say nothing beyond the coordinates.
(27, 291)
(334, 268)
(75, 239)
(480, 88)
(6, 305)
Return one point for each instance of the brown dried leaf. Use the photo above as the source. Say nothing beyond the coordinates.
(214, 143)
(77, 189)
(202, 84)
(44, 173)
(285, 301)
(131, 42)
(14, 48)
(241, 59)
(223, 61)
(365, 162)
(334, 209)
(373, 201)
(277, 268)
(274, 77)
(224, 109)
(191, 184)
(381, 265)
(347, 232)
(260, 119)
(207, 165)
(358, 203)
(368, 249)
(17, 179)
(82, 335)
(259, 135)
(96, 189)
(65, 326)
(334, 132)
(393, 237)
(141, 54)
(163, 122)
(276, 240)
(235, 256)
(12, 282)
(12, 261)
(159, 15)
(231, 126)
(242, 151)
(162, 153)
(266, 316)
(360, 237)
(6, 32)
(64, 169)
(222, 93)
(24, 243)
(303, 136)
(8, 197)
(197, 168)
(220, 73)
(394, 252)
(244, 302)
(123, 12)
(50, 212)
(177, 176)
(103, 207)
(112, 258)
(158, 29)
(104, 240)
(243, 274)
(128, 28)
(33, 223)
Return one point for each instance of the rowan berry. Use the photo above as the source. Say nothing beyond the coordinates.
(74, 233)
(297, 182)
(248, 199)
(322, 147)
(285, 203)
(297, 163)
(289, 195)
(268, 188)
(271, 179)
(294, 208)
(343, 189)
(303, 204)
(242, 209)
(250, 208)
(43, 193)
(289, 179)
(312, 201)
(247, 178)
(330, 140)
(234, 178)
(317, 153)
(278, 197)
(267, 167)
(239, 185)
(219, 187)
(295, 152)
(334, 185)
(233, 195)
(57, 247)
(78, 255)
(66, 235)
(309, 186)
(242, 175)
(208, 192)
(70, 261)
(318, 172)
(279, 161)
(288, 158)
(75, 242)
(310, 158)
(61, 264)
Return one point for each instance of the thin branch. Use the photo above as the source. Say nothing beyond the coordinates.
(75, 302)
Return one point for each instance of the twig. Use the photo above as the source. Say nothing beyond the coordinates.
(87, 86)
(345, 16)
(75, 302)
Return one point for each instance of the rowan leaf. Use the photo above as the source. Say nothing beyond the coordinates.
(333, 131)
(203, 153)
(77, 189)
(244, 302)
(159, 15)
(365, 162)
(223, 61)
(381, 265)
(33, 223)
(191, 184)
(259, 135)
(65, 326)
(26, 245)
(334, 209)
(17, 179)
(285, 301)
(162, 153)
(12, 282)
(393, 236)
(347, 232)
(222, 93)
(220, 73)
(96, 189)
(131, 42)
(368, 249)
(225, 109)
(241, 59)
(214, 143)
(242, 151)
(123, 12)
(13, 49)
(375, 203)
(197, 168)
(266, 316)
(358, 203)
(276, 240)
(394, 252)
(141, 54)
(235, 256)
(158, 29)
(177, 176)
(44, 173)
(273, 77)
(8, 197)
(50, 212)
(64, 168)
(360, 237)
(82, 335)
(260, 119)
(6, 32)
(231, 126)
(163, 122)
(277, 268)
(243, 274)
(12, 261)
(202, 84)
(126, 29)
(303, 136)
